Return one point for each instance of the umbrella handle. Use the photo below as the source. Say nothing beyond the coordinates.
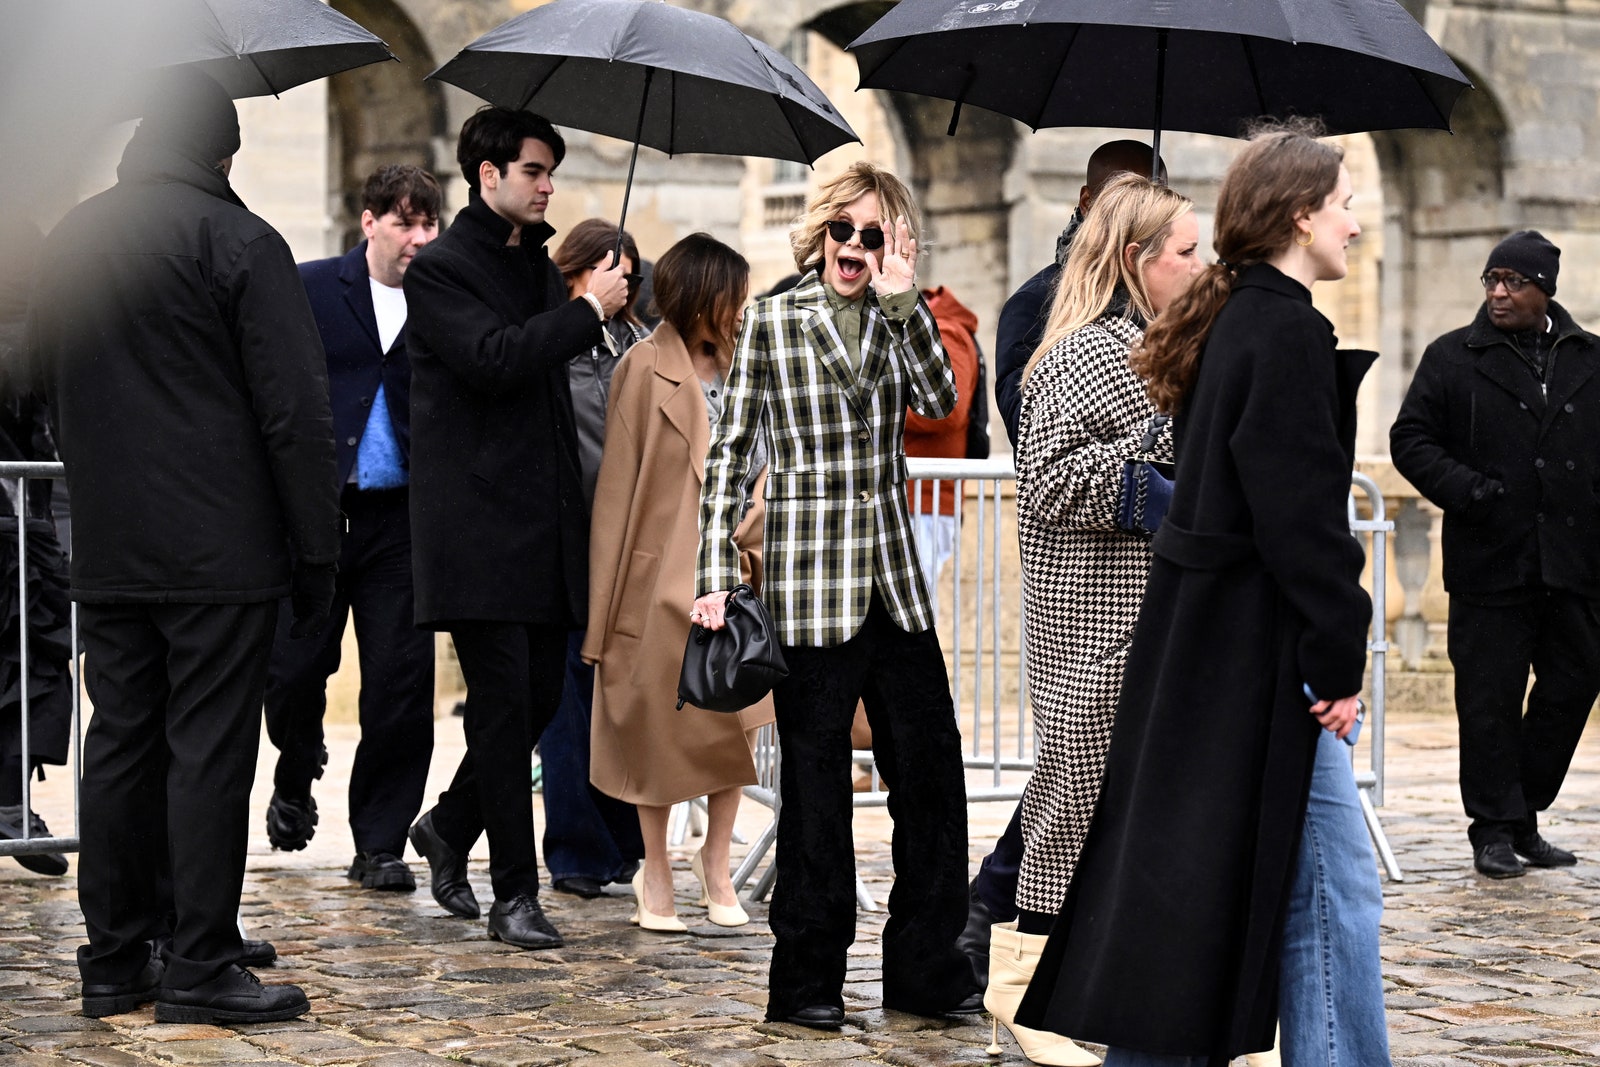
(627, 190)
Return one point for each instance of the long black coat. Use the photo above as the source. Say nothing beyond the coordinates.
(188, 392)
(498, 523)
(340, 291)
(1169, 938)
(1515, 467)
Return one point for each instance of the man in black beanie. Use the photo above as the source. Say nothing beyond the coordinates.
(190, 402)
(1499, 429)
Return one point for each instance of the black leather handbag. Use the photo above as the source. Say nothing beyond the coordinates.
(731, 668)
(1146, 486)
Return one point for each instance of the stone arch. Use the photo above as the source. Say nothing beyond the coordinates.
(383, 113)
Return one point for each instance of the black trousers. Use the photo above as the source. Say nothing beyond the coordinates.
(514, 674)
(901, 677)
(1513, 762)
(390, 771)
(996, 880)
(168, 761)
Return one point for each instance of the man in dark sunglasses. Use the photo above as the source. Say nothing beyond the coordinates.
(1499, 429)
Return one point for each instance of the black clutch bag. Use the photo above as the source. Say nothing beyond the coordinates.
(731, 668)
(1146, 486)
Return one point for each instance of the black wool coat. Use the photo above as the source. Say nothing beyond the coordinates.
(499, 528)
(188, 391)
(1169, 938)
(1515, 465)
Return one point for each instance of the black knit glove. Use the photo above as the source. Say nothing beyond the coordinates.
(311, 597)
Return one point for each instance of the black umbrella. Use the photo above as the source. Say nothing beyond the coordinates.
(647, 72)
(1204, 66)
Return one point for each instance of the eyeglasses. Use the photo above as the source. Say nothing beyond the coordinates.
(1514, 283)
(841, 230)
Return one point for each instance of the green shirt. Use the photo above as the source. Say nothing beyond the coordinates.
(847, 316)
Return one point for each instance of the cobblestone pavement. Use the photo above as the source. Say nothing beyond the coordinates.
(1479, 972)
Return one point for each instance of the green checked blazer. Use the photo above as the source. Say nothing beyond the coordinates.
(837, 520)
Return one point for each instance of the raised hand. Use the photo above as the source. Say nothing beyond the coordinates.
(898, 274)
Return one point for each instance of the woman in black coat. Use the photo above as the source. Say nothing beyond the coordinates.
(1206, 873)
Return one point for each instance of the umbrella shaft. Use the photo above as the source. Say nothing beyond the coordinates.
(1161, 89)
(627, 190)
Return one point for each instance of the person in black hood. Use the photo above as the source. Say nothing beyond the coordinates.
(189, 398)
(1498, 429)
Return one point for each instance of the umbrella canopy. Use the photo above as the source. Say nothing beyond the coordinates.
(1203, 66)
(260, 47)
(647, 72)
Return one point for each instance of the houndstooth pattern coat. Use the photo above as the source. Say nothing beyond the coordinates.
(1083, 413)
(837, 520)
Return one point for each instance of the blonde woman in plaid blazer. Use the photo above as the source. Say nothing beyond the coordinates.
(825, 372)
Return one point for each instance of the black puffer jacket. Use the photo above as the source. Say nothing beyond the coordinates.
(188, 391)
(1515, 466)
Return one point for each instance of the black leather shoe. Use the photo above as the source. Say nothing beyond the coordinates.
(291, 821)
(257, 953)
(114, 998)
(974, 940)
(382, 870)
(448, 870)
(521, 922)
(1540, 853)
(51, 863)
(234, 996)
(971, 1004)
(1496, 860)
(818, 1017)
(579, 886)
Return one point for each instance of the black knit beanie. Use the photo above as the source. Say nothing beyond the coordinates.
(189, 112)
(1530, 254)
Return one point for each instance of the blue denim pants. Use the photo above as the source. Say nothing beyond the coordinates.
(1330, 999)
(586, 833)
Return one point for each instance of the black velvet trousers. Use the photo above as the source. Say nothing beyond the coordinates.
(514, 674)
(390, 772)
(901, 677)
(1514, 761)
(168, 761)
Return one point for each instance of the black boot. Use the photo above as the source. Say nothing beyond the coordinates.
(234, 996)
(974, 940)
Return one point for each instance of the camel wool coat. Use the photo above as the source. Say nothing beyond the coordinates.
(644, 538)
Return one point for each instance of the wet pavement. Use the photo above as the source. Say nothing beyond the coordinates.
(1478, 972)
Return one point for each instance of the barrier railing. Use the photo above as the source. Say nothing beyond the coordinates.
(14, 477)
(979, 580)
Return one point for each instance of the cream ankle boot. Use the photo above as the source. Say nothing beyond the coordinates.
(1012, 958)
(1269, 1058)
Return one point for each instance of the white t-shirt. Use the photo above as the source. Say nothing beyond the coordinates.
(389, 305)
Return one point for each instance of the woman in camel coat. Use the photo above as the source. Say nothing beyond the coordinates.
(666, 393)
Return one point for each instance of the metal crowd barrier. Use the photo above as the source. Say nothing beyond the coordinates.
(15, 477)
(985, 620)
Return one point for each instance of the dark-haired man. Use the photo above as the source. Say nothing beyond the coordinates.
(499, 528)
(1499, 429)
(190, 400)
(360, 309)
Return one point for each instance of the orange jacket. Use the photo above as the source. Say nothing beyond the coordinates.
(946, 437)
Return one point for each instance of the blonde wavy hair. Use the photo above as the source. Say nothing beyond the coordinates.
(1129, 210)
(861, 178)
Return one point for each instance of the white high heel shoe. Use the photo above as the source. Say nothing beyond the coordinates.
(721, 914)
(1012, 959)
(646, 919)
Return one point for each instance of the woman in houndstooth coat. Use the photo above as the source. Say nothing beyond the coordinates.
(1083, 413)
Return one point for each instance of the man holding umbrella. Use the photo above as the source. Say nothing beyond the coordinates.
(499, 527)
(190, 400)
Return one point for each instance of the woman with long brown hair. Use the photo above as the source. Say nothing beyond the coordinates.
(1208, 882)
(667, 396)
(1084, 412)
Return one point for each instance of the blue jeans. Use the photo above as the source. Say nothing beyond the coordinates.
(586, 833)
(1330, 997)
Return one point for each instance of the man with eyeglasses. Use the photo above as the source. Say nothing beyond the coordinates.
(1501, 429)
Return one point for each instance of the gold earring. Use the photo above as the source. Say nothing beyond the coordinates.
(1309, 236)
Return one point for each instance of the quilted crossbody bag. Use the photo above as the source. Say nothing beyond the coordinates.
(1146, 485)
